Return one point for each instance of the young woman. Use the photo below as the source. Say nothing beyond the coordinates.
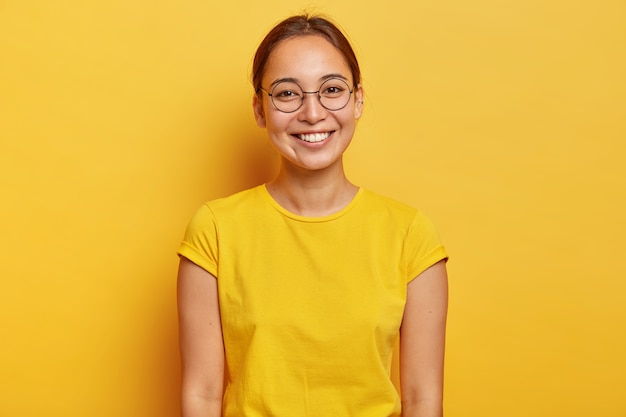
(291, 294)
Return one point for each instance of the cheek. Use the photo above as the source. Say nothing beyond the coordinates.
(350, 117)
(276, 121)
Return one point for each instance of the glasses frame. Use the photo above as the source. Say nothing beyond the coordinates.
(319, 96)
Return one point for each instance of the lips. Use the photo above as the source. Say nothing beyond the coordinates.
(313, 137)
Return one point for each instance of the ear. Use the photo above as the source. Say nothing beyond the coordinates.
(259, 113)
(359, 96)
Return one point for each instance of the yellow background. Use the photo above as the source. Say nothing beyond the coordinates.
(504, 121)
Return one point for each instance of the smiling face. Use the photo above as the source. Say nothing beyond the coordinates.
(312, 137)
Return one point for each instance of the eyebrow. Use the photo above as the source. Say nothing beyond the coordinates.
(321, 79)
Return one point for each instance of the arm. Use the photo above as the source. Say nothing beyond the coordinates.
(422, 340)
(201, 342)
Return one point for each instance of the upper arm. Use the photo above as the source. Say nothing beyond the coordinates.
(200, 336)
(422, 337)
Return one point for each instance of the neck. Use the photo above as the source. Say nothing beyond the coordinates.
(312, 193)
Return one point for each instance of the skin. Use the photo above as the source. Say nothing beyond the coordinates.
(422, 343)
(311, 182)
(201, 342)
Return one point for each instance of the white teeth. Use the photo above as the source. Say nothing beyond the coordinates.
(314, 137)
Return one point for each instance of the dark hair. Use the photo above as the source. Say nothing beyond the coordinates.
(302, 25)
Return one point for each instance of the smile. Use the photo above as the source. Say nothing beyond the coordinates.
(313, 137)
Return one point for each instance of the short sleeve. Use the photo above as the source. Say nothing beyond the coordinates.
(199, 243)
(423, 247)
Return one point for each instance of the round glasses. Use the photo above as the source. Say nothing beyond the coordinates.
(287, 96)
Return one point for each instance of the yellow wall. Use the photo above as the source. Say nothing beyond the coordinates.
(504, 121)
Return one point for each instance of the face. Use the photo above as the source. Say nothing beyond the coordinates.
(312, 137)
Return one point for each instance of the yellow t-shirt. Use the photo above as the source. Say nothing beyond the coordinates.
(310, 307)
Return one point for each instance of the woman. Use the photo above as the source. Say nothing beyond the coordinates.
(291, 294)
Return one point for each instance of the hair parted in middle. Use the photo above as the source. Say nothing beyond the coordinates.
(303, 25)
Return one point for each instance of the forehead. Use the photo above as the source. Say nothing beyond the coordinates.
(305, 58)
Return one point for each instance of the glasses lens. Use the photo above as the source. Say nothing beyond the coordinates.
(334, 94)
(287, 96)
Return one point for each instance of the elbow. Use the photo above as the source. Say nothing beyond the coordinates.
(201, 403)
(420, 403)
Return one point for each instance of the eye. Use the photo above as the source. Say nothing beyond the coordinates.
(286, 92)
(334, 88)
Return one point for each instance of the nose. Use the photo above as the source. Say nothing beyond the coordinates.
(312, 110)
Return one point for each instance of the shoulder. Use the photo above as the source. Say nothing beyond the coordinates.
(238, 204)
(396, 213)
(232, 206)
(421, 244)
(235, 201)
(380, 204)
